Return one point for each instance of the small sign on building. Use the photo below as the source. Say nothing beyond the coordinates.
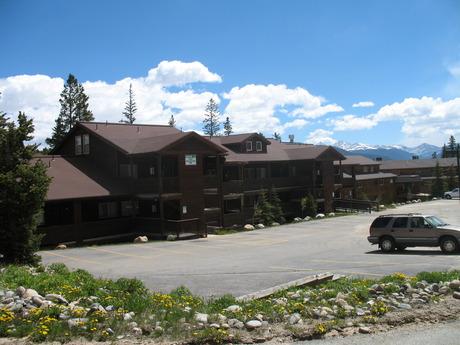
(190, 159)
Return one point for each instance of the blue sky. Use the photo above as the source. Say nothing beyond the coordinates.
(290, 66)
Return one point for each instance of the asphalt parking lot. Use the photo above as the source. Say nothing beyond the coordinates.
(245, 262)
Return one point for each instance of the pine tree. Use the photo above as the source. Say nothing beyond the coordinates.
(130, 107)
(452, 144)
(172, 121)
(437, 188)
(451, 178)
(23, 188)
(227, 127)
(211, 125)
(74, 107)
(444, 151)
(277, 136)
(275, 205)
(263, 210)
(434, 155)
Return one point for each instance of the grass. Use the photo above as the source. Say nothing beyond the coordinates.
(171, 316)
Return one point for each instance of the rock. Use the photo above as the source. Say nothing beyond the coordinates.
(46, 304)
(20, 291)
(275, 224)
(56, 298)
(171, 237)
(331, 214)
(214, 325)
(454, 285)
(221, 318)
(225, 326)
(76, 322)
(456, 295)
(360, 312)
(127, 317)
(110, 331)
(320, 215)
(159, 329)
(235, 323)
(137, 331)
(61, 246)
(260, 226)
(200, 317)
(132, 325)
(249, 227)
(435, 287)
(297, 219)
(307, 218)
(141, 239)
(37, 300)
(97, 307)
(294, 318)
(233, 308)
(364, 330)
(29, 293)
(253, 324)
(110, 308)
(444, 290)
(404, 306)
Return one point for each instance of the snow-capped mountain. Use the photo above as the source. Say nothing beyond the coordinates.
(388, 151)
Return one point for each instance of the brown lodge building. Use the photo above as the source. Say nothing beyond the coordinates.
(110, 179)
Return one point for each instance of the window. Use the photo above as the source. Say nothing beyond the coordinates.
(152, 171)
(127, 208)
(190, 159)
(108, 209)
(261, 172)
(258, 146)
(85, 144)
(248, 146)
(400, 222)
(419, 222)
(381, 222)
(78, 148)
(365, 169)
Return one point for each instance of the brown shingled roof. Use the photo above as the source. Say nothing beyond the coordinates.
(239, 138)
(417, 163)
(74, 178)
(277, 151)
(357, 160)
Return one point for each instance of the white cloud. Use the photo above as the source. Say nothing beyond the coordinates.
(256, 107)
(321, 136)
(363, 104)
(454, 69)
(425, 119)
(179, 73)
(352, 123)
(38, 96)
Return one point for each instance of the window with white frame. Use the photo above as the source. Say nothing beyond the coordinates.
(78, 148)
(85, 144)
(248, 146)
(258, 146)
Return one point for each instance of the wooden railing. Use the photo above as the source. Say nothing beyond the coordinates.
(191, 225)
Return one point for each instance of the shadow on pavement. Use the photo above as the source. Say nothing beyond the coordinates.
(413, 252)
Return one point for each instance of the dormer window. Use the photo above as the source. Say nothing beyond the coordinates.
(258, 146)
(85, 144)
(248, 146)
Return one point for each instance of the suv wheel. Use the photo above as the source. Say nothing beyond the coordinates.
(449, 245)
(448, 196)
(387, 244)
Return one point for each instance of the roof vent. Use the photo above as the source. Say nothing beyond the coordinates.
(291, 138)
(378, 159)
(414, 157)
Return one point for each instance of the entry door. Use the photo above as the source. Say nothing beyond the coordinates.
(422, 232)
(399, 230)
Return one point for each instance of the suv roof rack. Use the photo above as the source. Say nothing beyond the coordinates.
(400, 214)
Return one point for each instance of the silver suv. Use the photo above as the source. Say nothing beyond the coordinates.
(399, 231)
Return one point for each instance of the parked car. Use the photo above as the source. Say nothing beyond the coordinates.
(455, 193)
(399, 231)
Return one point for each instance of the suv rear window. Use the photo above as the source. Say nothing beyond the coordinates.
(400, 222)
(380, 222)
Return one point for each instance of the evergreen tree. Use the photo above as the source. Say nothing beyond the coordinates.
(130, 107)
(451, 178)
(452, 145)
(277, 136)
(23, 188)
(275, 205)
(74, 107)
(308, 205)
(211, 125)
(434, 155)
(172, 121)
(437, 188)
(227, 127)
(263, 210)
(444, 151)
